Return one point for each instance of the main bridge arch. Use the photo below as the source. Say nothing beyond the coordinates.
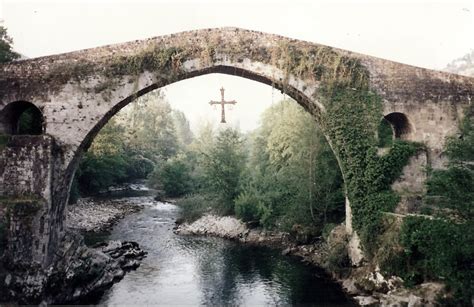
(78, 92)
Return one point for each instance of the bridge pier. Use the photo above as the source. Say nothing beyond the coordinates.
(27, 166)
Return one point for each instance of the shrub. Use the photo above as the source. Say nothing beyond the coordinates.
(327, 230)
(439, 250)
(173, 177)
(337, 259)
(139, 167)
(248, 207)
(194, 206)
(99, 172)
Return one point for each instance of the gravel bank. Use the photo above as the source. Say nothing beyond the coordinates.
(97, 215)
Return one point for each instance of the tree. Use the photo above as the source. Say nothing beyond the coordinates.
(150, 127)
(223, 167)
(295, 178)
(6, 52)
(183, 130)
(453, 188)
(174, 177)
(105, 163)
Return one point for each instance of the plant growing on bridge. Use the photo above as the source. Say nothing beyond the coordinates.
(350, 121)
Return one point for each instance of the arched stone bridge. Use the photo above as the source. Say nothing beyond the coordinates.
(78, 92)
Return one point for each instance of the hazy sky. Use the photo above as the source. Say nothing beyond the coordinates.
(417, 32)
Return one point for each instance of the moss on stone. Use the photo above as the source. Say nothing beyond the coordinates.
(21, 205)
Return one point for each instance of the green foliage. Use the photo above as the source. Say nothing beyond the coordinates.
(453, 189)
(460, 150)
(337, 259)
(130, 146)
(294, 176)
(139, 167)
(96, 173)
(248, 207)
(173, 177)
(183, 131)
(351, 122)
(223, 167)
(6, 52)
(385, 134)
(195, 206)
(443, 248)
(438, 249)
(327, 230)
(150, 127)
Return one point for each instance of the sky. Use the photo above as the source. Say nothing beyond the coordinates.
(417, 32)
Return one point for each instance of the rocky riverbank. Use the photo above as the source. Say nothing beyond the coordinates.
(364, 283)
(79, 273)
(98, 215)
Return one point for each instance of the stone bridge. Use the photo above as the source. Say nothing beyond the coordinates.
(76, 93)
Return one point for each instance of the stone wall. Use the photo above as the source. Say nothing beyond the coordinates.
(26, 165)
(411, 184)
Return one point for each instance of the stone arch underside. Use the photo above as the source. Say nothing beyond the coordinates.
(78, 92)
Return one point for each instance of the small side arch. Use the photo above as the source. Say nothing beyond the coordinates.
(393, 126)
(21, 117)
(401, 125)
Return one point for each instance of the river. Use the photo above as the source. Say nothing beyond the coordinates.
(190, 270)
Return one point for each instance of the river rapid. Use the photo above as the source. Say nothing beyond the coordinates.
(191, 270)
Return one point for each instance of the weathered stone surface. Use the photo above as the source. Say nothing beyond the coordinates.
(26, 179)
(354, 250)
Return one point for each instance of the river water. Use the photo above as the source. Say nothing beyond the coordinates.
(190, 270)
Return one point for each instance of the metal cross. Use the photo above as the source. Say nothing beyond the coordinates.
(222, 103)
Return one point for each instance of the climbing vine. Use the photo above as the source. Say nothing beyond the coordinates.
(350, 121)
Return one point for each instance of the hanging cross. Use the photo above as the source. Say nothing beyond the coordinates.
(222, 103)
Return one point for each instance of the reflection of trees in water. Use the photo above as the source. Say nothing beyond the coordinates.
(225, 268)
(217, 278)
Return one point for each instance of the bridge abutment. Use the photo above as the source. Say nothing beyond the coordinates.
(26, 180)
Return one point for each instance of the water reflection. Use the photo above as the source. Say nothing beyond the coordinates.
(181, 270)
